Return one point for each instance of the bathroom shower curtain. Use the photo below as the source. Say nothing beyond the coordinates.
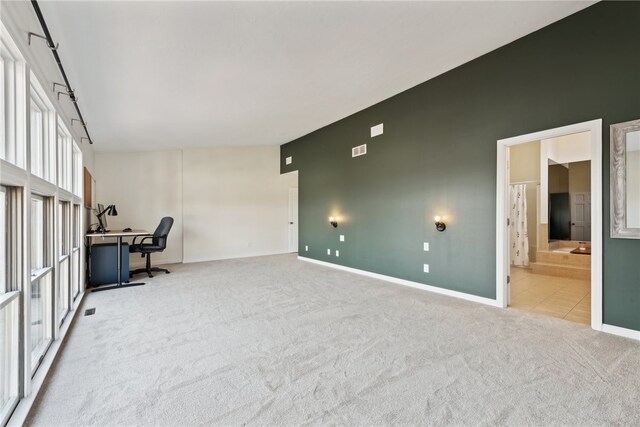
(519, 236)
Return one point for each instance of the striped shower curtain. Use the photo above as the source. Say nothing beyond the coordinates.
(518, 234)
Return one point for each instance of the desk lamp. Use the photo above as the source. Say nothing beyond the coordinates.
(111, 211)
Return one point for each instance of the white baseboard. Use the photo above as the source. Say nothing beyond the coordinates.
(422, 286)
(623, 332)
(21, 412)
(235, 256)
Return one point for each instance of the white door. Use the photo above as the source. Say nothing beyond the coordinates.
(293, 220)
(581, 216)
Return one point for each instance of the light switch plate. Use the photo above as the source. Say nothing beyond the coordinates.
(288, 160)
(426, 246)
(342, 237)
(306, 248)
(328, 251)
(337, 253)
(426, 268)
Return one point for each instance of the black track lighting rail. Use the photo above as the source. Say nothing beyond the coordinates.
(54, 50)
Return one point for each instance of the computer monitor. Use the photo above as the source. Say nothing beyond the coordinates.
(102, 219)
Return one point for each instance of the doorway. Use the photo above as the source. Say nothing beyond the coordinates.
(582, 214)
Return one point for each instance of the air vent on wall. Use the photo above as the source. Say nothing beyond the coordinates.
(359, 150)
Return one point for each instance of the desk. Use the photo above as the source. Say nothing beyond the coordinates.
(118, 235)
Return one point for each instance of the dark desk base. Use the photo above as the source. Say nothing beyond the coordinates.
(108, 288)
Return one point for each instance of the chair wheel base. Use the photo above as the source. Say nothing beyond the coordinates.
(148, 271)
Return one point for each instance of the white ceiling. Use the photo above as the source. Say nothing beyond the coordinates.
(163, 75)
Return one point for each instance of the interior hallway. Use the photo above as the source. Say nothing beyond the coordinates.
(277, 341)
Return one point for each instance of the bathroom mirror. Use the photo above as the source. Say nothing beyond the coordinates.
(625, 180)
(569, 190)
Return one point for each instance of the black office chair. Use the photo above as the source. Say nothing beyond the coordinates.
(158, 243)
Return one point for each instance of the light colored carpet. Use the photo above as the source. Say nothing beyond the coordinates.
(277, 341)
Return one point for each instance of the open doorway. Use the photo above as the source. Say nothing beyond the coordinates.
(549, 224)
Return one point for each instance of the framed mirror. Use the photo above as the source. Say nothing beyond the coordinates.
(625, 180)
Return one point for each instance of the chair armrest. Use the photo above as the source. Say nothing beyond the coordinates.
(144, 237)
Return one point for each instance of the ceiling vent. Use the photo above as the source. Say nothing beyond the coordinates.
(360, 150)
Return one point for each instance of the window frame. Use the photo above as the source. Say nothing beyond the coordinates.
(43, 276)
(42, 157)
(13, 139)
(64, 163)
(63, 243)
(76, 239)
(76, 169)
(4, 205)
(11, 385)
(23, 176)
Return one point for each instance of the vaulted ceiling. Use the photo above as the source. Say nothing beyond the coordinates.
(163, 75)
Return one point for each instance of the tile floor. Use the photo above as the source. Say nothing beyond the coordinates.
(568, 299)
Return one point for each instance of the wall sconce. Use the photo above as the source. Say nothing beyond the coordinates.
(333, 222)
(440, 225)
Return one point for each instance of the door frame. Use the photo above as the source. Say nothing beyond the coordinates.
(502, 188)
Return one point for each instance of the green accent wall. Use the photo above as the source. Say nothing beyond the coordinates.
(437, 156)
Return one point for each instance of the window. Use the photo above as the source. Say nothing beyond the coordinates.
(76, 169)
(41, 282)
(11, 239)
(9, 325)
(38, 232)
(3, 240)
(9, 353)
(63, 282)
(37, 138)
(75, 252)
(64, 157)
(41, 141)
(12, 101)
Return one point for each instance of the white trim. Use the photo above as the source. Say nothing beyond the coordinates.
(622, 332)
(421, 286)
(502, 267)
(11, 174)
(40, 273)
(21, 412)
(7, 298)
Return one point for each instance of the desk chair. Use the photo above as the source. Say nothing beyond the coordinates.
(157, 243)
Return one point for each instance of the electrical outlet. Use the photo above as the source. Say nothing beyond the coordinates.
(288, 160)
(426, 268)
(328, 251)
(337, 253)
(306, 248)
(342, 237)
(426, 246)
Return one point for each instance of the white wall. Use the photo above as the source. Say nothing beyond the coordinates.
(235, 203)
(524, 166)
(145, 187)
(226, 202)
